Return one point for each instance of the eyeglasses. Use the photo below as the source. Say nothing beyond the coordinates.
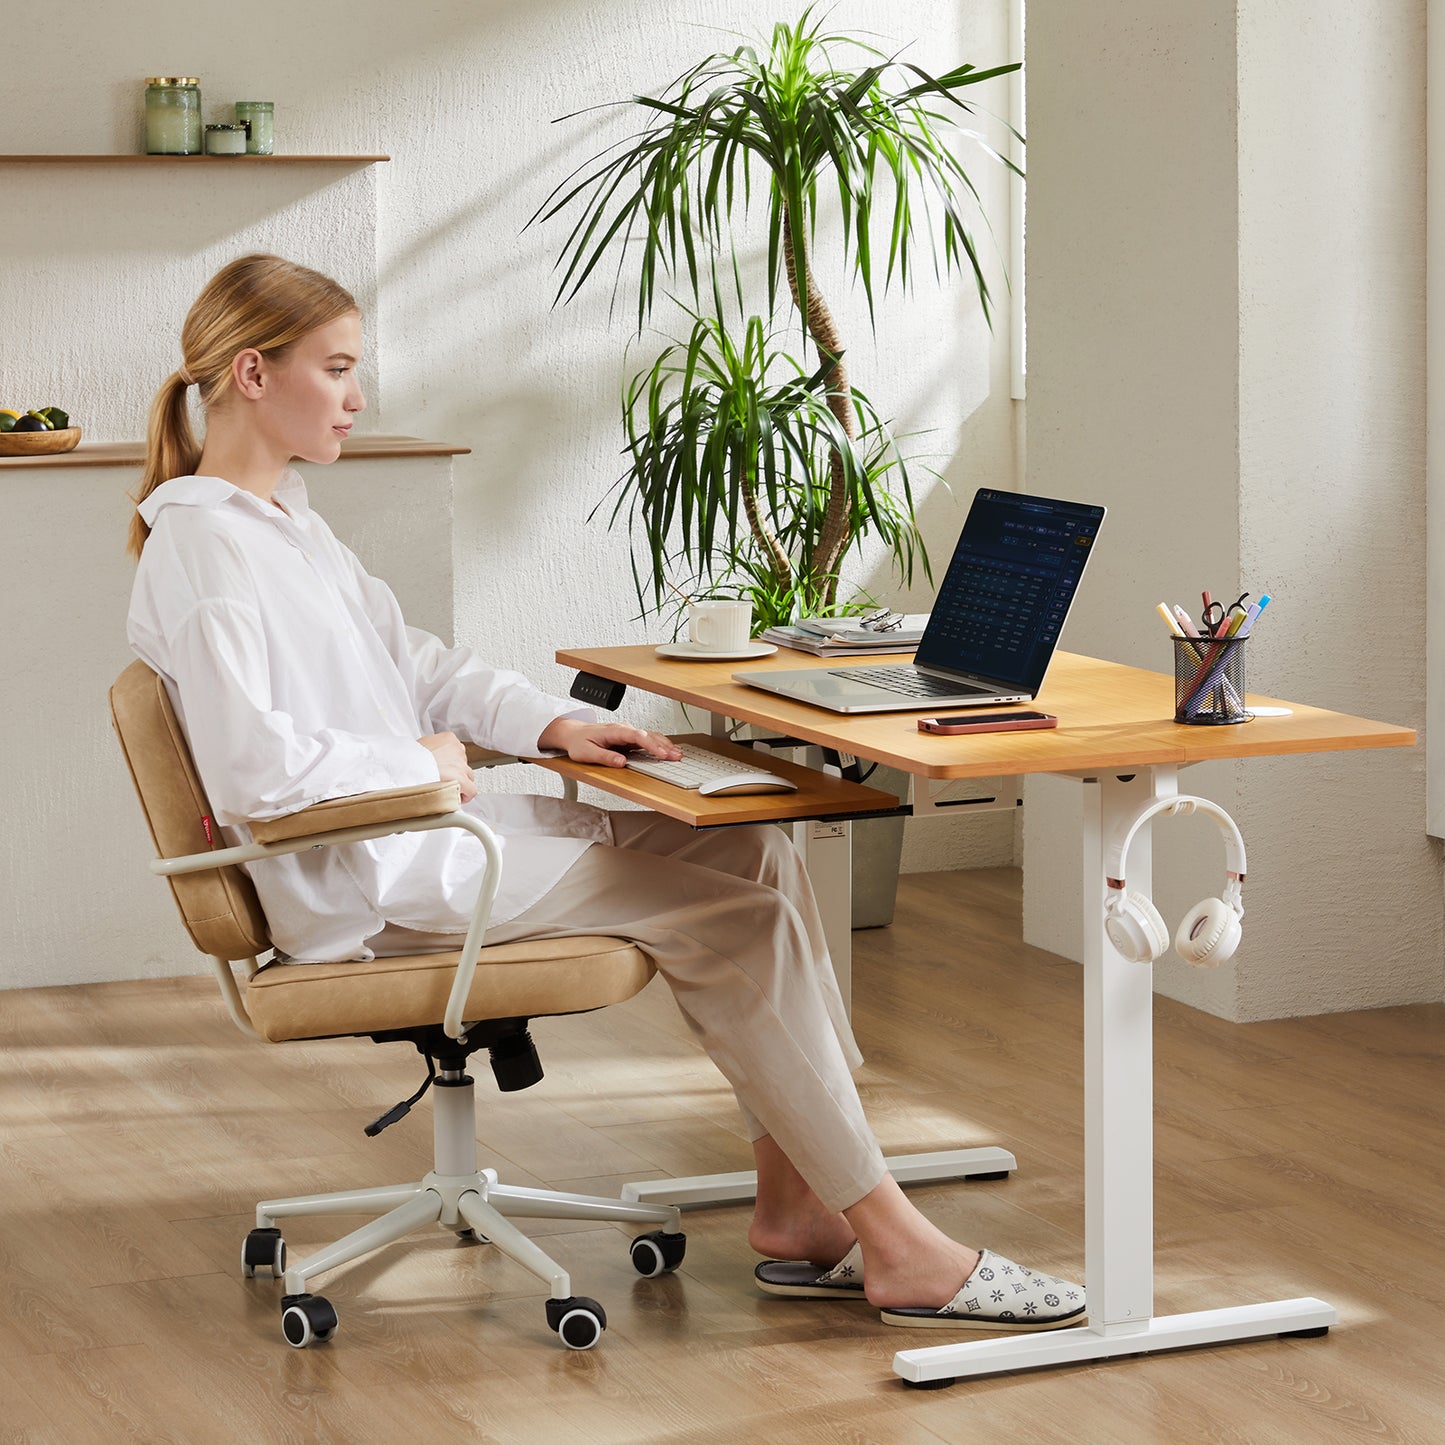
(883, 620)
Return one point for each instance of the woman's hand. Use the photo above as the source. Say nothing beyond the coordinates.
(586, 742)
(451, 759)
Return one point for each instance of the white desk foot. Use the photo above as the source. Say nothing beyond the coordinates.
(986, 1163)
(942, 1364)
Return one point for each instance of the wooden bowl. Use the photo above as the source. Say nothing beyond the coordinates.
(39, 443)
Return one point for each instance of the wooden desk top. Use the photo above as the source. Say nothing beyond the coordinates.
(1110, 716)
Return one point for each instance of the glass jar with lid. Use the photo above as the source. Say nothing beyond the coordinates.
(258, 116)
(225, 140)
(173, 115)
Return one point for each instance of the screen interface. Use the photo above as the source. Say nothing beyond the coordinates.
(1014, 573)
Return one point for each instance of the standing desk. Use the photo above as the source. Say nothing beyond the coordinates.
(1117, 738)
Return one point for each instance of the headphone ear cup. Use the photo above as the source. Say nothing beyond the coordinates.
(1208, 934)
(1136, 929)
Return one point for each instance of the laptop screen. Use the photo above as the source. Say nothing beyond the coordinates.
(1013, 576)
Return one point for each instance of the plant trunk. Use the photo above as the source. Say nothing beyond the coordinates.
(765, 535)
(819, 325)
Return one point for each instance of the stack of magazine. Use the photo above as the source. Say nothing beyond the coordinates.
(839, 636)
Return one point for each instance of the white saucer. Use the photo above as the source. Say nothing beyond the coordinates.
(693, 653)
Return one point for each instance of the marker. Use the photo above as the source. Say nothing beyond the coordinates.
(1186, 622)
(1252, 616)
(1163, 610)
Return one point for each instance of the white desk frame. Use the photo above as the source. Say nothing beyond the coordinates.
(1118, 1149)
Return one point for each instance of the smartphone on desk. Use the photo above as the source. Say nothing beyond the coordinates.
(989, 722)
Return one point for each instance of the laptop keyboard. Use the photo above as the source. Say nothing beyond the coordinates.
(909, 681)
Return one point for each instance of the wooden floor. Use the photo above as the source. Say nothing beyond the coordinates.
(137, 1128)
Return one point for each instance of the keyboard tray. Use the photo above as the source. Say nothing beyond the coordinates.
(819, 795)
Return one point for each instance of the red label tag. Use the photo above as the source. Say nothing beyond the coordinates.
(206, 824)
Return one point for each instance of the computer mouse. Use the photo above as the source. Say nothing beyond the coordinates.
(736, 783)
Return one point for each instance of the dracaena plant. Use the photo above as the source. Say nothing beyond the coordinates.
(752, 470)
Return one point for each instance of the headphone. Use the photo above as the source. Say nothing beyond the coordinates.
(1210, 932)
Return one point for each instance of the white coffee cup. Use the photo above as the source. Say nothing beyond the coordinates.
(720, 626)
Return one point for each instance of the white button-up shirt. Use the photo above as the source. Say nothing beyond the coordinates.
(296, 679)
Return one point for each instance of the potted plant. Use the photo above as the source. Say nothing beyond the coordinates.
(754, 472)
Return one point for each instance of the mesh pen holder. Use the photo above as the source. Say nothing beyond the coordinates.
(1209, 681)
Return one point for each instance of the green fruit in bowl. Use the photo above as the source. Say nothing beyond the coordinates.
(8, 420)
(31, 423)
(44, 420)
(58, 419)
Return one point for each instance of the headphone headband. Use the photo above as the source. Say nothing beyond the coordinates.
(1182, 803)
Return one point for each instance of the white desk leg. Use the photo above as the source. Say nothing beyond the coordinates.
(827, 849)
(1119, 1154)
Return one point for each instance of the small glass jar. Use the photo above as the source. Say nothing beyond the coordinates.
(259, 118)
(173, 115)
(225, 140)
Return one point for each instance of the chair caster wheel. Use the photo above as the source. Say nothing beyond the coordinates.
(578, 1320)
(984, 1178)
(263, 1249)
(307, 1319)
(1317, 1333)
(658, 1252)
(472, 1237)
(931, 1384)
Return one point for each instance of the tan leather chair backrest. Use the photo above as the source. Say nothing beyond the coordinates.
(219, 907)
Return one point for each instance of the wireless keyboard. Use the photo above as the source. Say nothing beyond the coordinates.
(696, 767)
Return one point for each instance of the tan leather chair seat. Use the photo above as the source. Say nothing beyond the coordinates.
(513, 980)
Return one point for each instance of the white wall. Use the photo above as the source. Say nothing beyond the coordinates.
(102, 263)
(1226, 345)
(1332, 487)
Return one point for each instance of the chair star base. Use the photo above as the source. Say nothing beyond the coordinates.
(462, 1198)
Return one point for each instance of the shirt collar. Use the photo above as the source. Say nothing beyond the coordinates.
(214, 491)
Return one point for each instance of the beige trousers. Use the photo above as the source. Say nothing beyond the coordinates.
(729, 919)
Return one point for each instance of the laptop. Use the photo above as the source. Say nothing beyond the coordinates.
(994, 627)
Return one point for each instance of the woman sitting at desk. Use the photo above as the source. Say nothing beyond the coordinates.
(296, 679)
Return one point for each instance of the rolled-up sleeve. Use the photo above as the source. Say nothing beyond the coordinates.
(454, 688)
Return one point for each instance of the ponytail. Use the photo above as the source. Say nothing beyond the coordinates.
(257, 303)
(171, 451)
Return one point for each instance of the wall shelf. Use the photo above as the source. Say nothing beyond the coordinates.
(130, 160)
(132, 454)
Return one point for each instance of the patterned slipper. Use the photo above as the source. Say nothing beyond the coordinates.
(1001, 1295)
(806, 1281)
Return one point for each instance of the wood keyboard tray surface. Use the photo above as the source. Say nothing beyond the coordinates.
(819, 795)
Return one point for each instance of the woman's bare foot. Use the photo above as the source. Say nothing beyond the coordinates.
(907, 1260)
(789, 1220)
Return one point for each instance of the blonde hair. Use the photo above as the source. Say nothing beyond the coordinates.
(259, 302)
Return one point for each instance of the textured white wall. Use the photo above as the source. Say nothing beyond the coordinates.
(1132, 377)
(102, 263)
(1332, 493)
(1225, 286)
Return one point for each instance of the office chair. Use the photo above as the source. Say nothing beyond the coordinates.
(448, 1005)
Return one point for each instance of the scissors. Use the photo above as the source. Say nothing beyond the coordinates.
(1214, 614)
